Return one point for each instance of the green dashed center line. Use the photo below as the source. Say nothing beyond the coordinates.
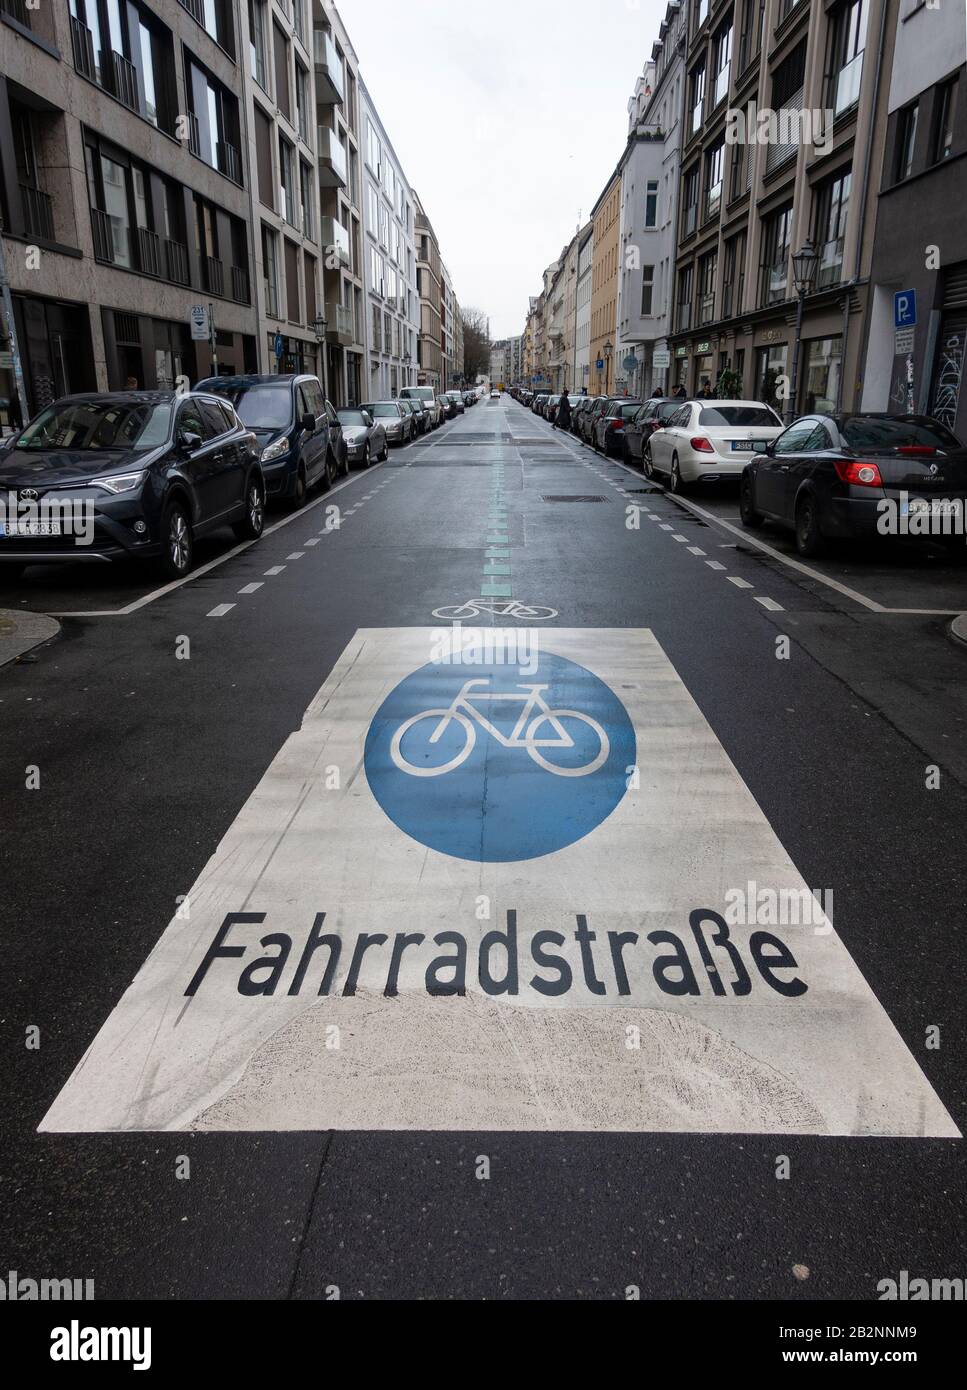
(497, 574)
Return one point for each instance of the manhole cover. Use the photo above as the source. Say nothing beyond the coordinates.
(574, 499)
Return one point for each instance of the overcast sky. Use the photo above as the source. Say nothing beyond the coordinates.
(507, 125)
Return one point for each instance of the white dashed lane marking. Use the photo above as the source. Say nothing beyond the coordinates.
(221, 610)
(739, 583)
(276, 569)
(252, 588)
(771, 605)
(714, 565)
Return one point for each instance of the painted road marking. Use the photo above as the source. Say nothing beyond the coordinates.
(296, 555)
(252, 588)
(275, 570)
(329, 971)
(771, 604)
(715, 565)
(696, 550)
(739, 583)
(221, 610)
(683, 540)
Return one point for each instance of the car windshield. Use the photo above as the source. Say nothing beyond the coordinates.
(382, 411)
(627, 411)
(99, 425)
(351, 417)
(260, 407)
(863, 433)
(740, 416)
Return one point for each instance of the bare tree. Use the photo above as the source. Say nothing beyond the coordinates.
(476, 343)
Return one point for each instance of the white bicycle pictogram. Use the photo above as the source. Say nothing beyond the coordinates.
(497, 608)
(536, 712)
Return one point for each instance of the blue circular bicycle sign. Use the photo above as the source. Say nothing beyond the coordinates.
(489, 764)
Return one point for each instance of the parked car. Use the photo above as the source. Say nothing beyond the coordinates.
(639, 430)
(578, 410)
(589, 416)
(365, 437)
(609, 426)
(709, 441)
(539, 403)
(495, 395)
(427, 395)
(298, 431)
(457, 399)
(421, 420)
(827, 476)
(153, 470)
(447, 407)
(550, 408)
(396, 420)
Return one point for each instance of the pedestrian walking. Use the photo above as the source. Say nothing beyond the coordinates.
(563, 419)
(680, 392)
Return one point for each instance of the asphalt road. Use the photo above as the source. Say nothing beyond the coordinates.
(146, 760)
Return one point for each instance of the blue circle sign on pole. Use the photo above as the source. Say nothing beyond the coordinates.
(279, 346)
(492, 765)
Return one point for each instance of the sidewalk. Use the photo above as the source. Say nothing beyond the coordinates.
(958, 628)
(19, 632)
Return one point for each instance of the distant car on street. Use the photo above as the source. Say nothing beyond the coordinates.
(447, 407)
(495, 395)
(457, 398)
(828, 476)
(709, 441)
(298, 431)
(365, 437)
(395, 419)
(427, 395)
(421, 417)
(154, 470)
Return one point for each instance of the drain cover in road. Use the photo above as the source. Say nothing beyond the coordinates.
(495, 888)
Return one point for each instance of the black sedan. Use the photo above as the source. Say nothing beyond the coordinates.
(859, 476)
(127, 475)
(652, 416)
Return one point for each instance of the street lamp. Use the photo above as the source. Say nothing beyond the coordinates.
(608, 350)
(319, 327)
(805, 264)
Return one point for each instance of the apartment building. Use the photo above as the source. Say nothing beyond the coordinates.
(649, 207)
(430, 283)
(582, 310)
(447, 329)
(921, 366)
(506, 362)
(605, 263)
(125, 194)
(341, 318)
(389, 233)
(799, 83)
(459, 365)
(283, 141)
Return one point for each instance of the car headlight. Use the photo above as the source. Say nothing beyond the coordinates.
(276, 450)
(121, 482)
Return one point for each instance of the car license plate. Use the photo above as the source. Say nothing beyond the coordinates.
(30, 528)
(741, 446)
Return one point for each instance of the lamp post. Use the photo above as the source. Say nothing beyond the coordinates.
(608, 351)
(319, 327)
(805, 264)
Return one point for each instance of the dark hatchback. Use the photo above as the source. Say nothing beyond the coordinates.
(858, 477)
(127, 475)
(299, 434)
(652, 416)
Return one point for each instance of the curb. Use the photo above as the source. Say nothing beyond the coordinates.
(21, 632)
(958, 629)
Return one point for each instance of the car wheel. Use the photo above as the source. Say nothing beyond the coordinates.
(809, 538)
(677, 482)
(329, 475)
(750, 517)
(385, 454)
(301, 490)
(366, 458)
(252, 524)
(178, 549)
(646, 462)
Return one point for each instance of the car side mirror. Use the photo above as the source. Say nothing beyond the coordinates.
(308, 423)
(367, 419)
(189, 440)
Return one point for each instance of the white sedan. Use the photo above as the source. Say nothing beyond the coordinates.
(706, 441)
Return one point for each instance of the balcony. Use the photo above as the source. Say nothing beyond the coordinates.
(124, 81)
(335, 238)
(846, 85)
(333, 167)
(339, 325)
(102, 227)
(83, 45)
(330, 82)
(240, 292)
(213, 275)
(229, 161)
(194, 134)
(176, 261)
(17, 9)
(38, 212)
(150, 253)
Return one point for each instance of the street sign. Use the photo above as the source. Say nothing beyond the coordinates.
(600, 364)
(661, 358)
(630, 362)
(200, 323)
(903, 341)
(442, 942)
(279, 346)
(905, 309)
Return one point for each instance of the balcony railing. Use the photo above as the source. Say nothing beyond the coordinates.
(103, 236)
(240, 284)
(195, 8)
(333, 167)
(176, 260)
(124, 81)
(83, 45)
(17, 10)
(150, 253)
(271, 294)
(846, 85)
(340, 325)
(336, 238)
(330, 83)
(213, 274)
(38, 212)
(229, 161)
(194, 134)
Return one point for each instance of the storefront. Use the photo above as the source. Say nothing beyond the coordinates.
(56, 354)
(144, 353)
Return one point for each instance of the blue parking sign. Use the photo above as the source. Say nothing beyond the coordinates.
(905, 309)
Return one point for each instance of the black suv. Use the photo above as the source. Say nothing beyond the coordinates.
(127, 474)
(299, 434)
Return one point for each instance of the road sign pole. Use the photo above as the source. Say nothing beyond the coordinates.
(18, 376)
(212, 340)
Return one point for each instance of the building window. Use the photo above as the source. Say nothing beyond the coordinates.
(776, 234)
(701, 12)
(690, 200)
(821, 375)
(943, 140)
(847, 43)
(213, 127)
(753, 20)
(647, 290)
(256, 42)
(829, 234)
(377, 271)
(707, 268)
(302, 102)
(906, 141)
(770, 372)
(683, 313)
(217, 20)
(723, 63)
(696, 97)
(270, 271)
(714, 172)
(733, 288)
(280, 45)
(651, 203)
(287, 183)
(307, 190)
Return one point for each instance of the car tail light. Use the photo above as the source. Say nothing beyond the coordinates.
(702, 445)
(917, 451)
(616, 424)
(858, 474)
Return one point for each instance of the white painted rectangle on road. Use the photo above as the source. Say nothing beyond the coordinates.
(349, 959)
